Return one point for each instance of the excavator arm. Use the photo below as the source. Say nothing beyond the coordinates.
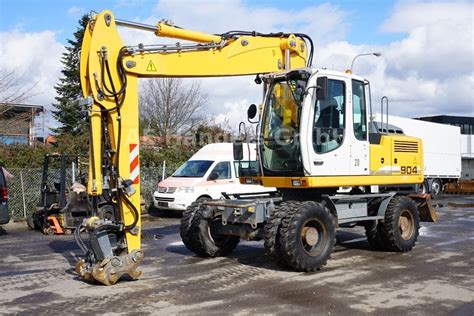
(109, 73)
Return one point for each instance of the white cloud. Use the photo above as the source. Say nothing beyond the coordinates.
(74, 10)
(36, 58)
(130, 3)
(233, 113)
(325, 22)
(428, 71)
(407, 16)
(231, 96)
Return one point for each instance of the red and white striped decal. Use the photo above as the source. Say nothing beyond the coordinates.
(134, 167)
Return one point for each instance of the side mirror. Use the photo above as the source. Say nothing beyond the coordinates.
(252, 111)
(213, 176)
(238, 150)
(322, 90)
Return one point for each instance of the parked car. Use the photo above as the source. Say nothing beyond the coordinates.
(4, 215)
(208, 173)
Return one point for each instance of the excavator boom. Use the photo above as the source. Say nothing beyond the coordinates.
(109, 73)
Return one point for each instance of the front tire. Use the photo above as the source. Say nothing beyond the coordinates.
(401, 224)
(307, 236)
(186, 230)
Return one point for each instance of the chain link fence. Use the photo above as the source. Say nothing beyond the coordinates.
(24, 189)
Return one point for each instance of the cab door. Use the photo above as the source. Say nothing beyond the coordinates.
(329, 142)
(359, 157)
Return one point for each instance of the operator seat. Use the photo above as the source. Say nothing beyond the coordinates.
(329, 114)
(327, 126)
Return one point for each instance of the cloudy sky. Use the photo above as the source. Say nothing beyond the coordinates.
(427, 66)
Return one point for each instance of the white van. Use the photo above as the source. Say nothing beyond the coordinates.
(208, 173)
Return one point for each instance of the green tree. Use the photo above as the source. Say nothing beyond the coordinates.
(68, 112)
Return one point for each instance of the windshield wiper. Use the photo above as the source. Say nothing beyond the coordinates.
(298, 102)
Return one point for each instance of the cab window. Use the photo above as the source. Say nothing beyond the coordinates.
(360, 110)
(329, 119)
(245, 167)
(221, 171)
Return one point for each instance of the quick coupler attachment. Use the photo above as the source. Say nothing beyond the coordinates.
(106, 263)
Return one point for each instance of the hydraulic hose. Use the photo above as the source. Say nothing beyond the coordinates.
(79, 241)
(119, 140)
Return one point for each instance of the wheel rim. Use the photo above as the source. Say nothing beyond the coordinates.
(422, 189)
(406, 225)
(435, 187)
(312, 237)
(219, 240)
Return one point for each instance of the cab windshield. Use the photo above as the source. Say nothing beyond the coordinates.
(281, 125)
(193, 169)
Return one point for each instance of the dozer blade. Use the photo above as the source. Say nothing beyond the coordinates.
(425, 208)
(460, 187)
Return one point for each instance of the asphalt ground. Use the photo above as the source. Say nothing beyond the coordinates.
(436, 278)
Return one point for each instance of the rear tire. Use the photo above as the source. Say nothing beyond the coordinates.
(271, 234)
(30, 221)
(401, 224)
(375, 235)
(307, 236)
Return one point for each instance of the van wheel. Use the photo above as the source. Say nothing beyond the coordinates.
(203, 198)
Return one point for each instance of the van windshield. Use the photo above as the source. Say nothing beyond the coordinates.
(193, 169)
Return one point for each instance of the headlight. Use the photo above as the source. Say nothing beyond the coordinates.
(186, 189)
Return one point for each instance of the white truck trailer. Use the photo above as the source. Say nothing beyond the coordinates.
(467, 155)
(441, 149)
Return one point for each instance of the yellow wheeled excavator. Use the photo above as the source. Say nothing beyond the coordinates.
(109, 73)
(315, 135)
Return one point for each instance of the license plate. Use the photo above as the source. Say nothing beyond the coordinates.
(164, 204)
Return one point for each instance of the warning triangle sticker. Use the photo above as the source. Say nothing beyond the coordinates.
(151, 66)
